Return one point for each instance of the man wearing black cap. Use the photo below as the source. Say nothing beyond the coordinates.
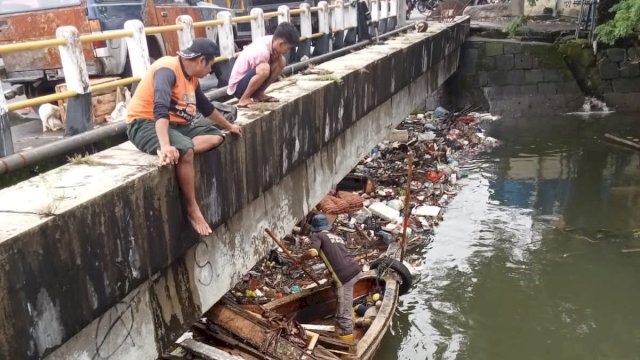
(344, 270)
(161, 117)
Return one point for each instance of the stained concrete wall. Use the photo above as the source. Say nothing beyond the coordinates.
(97, 260)
(515, 77)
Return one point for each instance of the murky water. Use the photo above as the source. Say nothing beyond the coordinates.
(528, 263)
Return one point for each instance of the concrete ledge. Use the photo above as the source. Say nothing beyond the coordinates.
(99, 257)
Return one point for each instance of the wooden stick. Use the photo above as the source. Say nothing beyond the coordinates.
(623, 141)
(630, 250)
(367, 240)
(407, 211)
(290, 256)
(312, 342)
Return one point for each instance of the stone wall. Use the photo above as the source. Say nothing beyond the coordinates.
(515, 77)
(619, 72)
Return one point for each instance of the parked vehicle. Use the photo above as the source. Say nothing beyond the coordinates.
(40, 70)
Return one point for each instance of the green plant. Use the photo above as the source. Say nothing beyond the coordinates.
(516, 24)
(78, 159)
(626, 21)
(50, 208)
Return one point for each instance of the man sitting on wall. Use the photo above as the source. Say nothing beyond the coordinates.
(260, 64)
(161, 118)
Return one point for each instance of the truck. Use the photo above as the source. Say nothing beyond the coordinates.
(38, 71)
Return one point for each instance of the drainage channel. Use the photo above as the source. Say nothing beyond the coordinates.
(389, 203)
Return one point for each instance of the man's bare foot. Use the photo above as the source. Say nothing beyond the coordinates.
(243, 103)
(198, 222)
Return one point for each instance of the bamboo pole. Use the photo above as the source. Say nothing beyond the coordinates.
(407, 211)
(290, 256)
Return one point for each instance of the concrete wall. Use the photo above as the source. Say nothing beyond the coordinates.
(97, 259)
(515, 77)
(560, 7)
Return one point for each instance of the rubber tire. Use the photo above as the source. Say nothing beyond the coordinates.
(399, 268)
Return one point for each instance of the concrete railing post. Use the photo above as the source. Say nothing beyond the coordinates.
(337, 21)
(257, 24)
(226, 42)
(285, 17)
(6, 140)
(384, 16)
(304, 47)
(351, 23)
(375, 11)
(322, 44)
(79, 113)
(137, 48)
(393, 15)
(402, 13)
(186, 35)
(305, 21)
(225, 35)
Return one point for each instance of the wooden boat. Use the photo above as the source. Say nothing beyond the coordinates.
(318, 305)
(255, 325)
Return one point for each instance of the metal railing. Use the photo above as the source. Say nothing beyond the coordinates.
(333, 20)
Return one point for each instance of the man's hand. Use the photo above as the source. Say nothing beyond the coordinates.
(235, 129)
(168, 155)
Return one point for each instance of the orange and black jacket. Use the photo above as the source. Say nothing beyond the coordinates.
(165, 92)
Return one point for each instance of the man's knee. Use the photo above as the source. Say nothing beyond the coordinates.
(216, 140)
(187, 155)
(263, 70)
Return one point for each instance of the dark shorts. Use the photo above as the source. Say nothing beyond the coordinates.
(142, 133)
(244, 83)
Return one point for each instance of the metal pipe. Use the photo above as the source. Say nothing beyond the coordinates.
(66, 145)
(272, 14)
(32, 156)
(114, 84)
(161, 29)
(240, 19)
(110, 35)
(207, 23)
(31, 45)
(40, 100)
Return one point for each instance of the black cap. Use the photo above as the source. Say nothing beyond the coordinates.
(201, 47)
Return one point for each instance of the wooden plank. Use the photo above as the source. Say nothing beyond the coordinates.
(207, 352)
(314, 327)
(622, 141)
(333, 343)
(312, 342)
(255, 332)
(217, 333)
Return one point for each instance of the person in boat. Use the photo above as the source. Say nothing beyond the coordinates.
(344, 270)
(162, 112)
(260, 64)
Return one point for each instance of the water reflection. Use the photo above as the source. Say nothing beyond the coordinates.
(528, 262)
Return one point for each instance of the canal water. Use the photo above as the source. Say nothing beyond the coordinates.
(529, 262)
